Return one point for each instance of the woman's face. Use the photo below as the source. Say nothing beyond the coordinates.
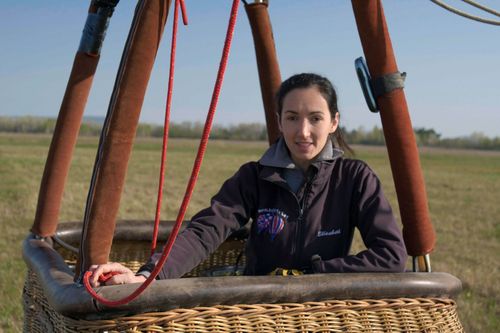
(306, 123)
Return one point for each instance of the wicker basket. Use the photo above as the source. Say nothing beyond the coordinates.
(408, 302)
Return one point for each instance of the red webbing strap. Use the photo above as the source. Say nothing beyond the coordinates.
(418, 231)
(193, 178)
(167, 120)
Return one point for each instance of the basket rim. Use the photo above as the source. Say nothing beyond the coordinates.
(130, 230)
(71, 299)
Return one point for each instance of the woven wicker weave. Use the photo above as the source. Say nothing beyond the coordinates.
(432, 314)
(389, 315)
(134, 255)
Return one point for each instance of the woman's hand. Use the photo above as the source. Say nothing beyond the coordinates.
(124, 275)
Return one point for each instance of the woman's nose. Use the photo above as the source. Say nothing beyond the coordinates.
(304, 128)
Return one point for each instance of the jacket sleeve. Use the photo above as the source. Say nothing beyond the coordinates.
(372, 215)
(230, 209)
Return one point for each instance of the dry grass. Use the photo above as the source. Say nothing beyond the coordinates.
(463, 189)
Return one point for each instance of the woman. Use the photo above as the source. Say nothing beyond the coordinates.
(305, 200)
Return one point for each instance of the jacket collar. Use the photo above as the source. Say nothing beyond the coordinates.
(278, 155)
(277, 159)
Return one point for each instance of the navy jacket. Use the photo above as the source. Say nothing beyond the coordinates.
(296, 218)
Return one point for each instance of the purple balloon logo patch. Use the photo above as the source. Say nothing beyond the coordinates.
(271, 220)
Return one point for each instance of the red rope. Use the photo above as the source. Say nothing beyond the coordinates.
(184, 13)
(168, 107)
(194, 174)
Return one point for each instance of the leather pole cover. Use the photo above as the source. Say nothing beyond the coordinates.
(126, 103)
(63, 143)
(267, 63)
(418, 231)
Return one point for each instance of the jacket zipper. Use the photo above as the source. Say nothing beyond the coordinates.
(298, 238)
(295, 253)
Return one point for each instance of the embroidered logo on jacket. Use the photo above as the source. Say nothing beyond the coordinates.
(332, 232)
(271, 220)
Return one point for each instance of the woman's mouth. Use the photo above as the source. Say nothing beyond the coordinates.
(304, 146)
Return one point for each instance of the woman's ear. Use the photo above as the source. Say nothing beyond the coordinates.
(278, 119)
(335, 123)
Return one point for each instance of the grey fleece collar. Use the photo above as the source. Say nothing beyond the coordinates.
(278, 156)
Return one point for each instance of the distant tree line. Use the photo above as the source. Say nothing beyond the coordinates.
(251, 132)
(246, 132)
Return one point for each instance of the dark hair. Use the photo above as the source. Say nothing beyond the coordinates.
(325, 88)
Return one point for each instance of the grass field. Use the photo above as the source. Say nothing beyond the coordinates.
(463, 189)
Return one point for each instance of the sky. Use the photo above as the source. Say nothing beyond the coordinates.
(452, 63)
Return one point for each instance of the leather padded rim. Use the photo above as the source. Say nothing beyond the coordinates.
(69, 298)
